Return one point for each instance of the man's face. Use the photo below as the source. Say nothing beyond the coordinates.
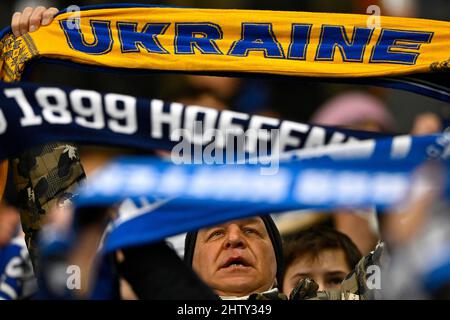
(328, 269)
(236, 258)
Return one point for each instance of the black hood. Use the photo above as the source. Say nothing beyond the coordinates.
(272, 230)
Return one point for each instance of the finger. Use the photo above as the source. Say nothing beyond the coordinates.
(36, 18)
(15, 23)
(48, 16)
(25, 20)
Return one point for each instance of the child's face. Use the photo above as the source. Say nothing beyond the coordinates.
(328, 269)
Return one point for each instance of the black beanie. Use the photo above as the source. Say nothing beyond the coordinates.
(274, 235)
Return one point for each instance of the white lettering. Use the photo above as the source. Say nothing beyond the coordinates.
(92, 108)
(127, 115)
(158, 118)
(29, 117)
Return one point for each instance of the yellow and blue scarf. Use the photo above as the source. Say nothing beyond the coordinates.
(234, 41)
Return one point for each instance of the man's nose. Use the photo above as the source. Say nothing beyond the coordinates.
(234, 238)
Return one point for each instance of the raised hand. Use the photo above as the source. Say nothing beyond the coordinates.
(30, 19)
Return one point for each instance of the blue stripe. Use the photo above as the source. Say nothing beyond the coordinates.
(201, 197)
(123, 5)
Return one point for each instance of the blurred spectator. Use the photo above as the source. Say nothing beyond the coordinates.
(426, 123)
(16, 272)
(239, 94)
(355, 110)
(418, 239)
(319, 253)
(359, 111)
(223, 87)
(9, 224)
(400, 8)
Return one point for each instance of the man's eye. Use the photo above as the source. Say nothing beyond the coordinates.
(215, 233)
(250, 231)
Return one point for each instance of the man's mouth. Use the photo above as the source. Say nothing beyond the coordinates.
(236, 262)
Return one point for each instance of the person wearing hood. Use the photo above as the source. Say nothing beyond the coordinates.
(238, 259)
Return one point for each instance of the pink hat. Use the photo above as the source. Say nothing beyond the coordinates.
(351, 108)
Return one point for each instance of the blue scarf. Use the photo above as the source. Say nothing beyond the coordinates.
(189, 197)
(35, 115)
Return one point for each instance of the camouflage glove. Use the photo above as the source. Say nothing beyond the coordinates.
(270, 295)
(358, 282)
(44, 176)
(305, 289)
(336, 295)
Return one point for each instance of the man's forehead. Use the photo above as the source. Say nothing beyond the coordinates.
(247, 221)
